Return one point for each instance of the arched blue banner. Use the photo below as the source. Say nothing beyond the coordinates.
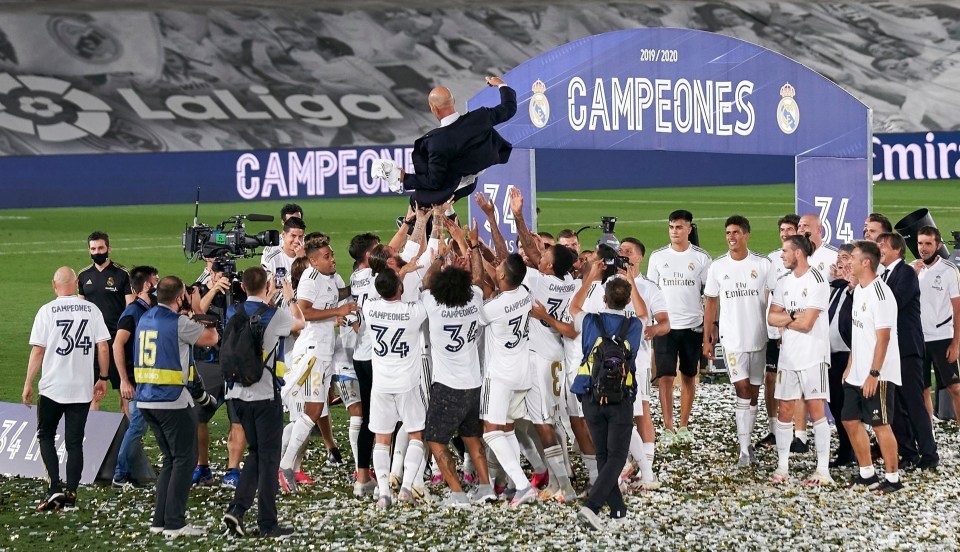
(693, 91)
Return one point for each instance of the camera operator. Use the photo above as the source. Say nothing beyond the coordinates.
(210, 296)
(260, 409)
(163, 348)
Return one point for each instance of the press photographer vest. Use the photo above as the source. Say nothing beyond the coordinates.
(160, 377)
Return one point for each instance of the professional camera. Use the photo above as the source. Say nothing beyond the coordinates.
(223, 243)
(607, 237)
(202, 240)
(200, 396)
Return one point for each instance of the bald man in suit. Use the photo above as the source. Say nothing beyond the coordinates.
(447, 159)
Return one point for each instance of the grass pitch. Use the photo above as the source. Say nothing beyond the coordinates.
(701, 507)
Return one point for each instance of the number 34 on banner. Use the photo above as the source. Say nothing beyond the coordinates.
(843, 230)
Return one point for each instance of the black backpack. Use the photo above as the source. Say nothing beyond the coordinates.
(241, 349)
(610, 376)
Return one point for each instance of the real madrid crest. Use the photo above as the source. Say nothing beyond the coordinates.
(691, 266)
(539, 106)
(804, 292)
(753, 274)
(788, 112)
(109, 281)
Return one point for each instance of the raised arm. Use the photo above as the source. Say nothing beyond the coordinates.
(531, 246)
(488, 209)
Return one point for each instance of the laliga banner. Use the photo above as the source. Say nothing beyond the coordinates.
(80, 180)
(692, 91)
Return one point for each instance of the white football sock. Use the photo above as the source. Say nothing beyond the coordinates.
(636, 447)
(298, 437)
(381, 467)
(590, 461)
(554, 456)
(526, 444)
(742, 416)
(399, 452)
(751, 421)
(412, 463)
(772, 423)
(356, 422)
(784, 435)
(649, 452)
(821, 439)
(501, 446)
(562, 441)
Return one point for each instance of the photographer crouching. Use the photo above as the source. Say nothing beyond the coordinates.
(164, 373)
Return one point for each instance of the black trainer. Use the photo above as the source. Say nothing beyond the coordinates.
(869, 483)
(799, 446)
(769, 441)
(886, 487)
(928, 462)
(54, 500)
(334, 458)
(278, 532)
(70, 500)
(233, 522)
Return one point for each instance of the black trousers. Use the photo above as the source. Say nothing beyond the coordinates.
(262, 423)
(838, 363)
(49, 413)
(176, 432)
(364, 369)
(911, 424)
(611, 427)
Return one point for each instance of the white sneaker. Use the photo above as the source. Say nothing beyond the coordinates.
(818, 478)
(156, 529)
(362, 489)
(483, 494)
(185, 531)
(590, 518)
(649, 484)
(524, 496)
(456, 500)
(780, 476)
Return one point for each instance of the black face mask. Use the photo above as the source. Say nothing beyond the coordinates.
(185, 303)
(100, 258)
(931, 259)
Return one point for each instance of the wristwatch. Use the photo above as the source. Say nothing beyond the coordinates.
(793, 315)
(875, 373)
(103, 378)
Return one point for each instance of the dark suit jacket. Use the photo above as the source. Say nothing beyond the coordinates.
(905, 286)
(469, 145)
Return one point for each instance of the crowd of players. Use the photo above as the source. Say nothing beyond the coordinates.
(442, 345)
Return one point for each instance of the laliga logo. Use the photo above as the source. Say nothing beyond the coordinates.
(539, 106)
(50, 109)
(788, 113)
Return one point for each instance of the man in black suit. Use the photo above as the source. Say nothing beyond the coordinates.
(911, 424)
(447, 159)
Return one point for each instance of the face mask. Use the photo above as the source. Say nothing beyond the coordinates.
(100, 258)
(931, 259)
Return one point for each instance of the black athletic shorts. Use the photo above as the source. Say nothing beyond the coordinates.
(112, 372)
(773, 355)
(935, 361)
(876, 411)
(452, 411)
(684, 345)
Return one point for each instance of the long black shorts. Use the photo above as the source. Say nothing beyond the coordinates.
(684, 345)
(935, 361)
(877, 410)
(452, 411)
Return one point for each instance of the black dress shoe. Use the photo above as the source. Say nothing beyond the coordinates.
(928, 462)
(910, 464)
(798, 446)
(842, 462)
